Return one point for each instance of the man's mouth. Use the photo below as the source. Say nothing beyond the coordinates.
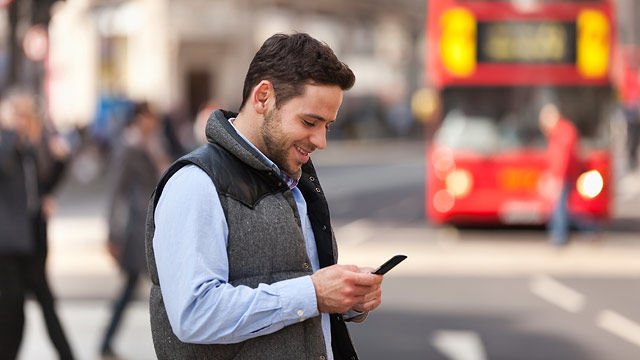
(303, 151)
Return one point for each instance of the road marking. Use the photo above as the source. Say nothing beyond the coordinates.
(619, 325)
(459, 345)
(355, 232)
(557, 293)
(629, 186)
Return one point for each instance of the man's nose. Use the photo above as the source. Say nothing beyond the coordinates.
(319, 138)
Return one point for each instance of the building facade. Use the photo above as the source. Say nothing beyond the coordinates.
(180, 54)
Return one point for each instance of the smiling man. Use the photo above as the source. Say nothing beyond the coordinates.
(240, 248)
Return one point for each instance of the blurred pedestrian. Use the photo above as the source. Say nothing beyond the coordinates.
(563, 168)
(32, 159)
(239, 240)
(171, 124)
(135, 169)
(630, 103)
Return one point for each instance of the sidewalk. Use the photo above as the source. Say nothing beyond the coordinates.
(83, 322)
(85, 279)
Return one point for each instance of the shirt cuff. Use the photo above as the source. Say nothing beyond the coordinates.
(297, 299)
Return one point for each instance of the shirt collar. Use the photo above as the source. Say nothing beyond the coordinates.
(290, 181)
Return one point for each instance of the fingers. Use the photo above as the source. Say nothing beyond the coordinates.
(367, 278)
(340, 288)
(366, 270)
(370, 288)
(371, 300)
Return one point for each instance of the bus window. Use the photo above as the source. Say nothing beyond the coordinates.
(472, 133)
(488, 120)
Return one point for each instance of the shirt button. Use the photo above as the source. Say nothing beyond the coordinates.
(317, 189)
(322, 357)
(306, 266)
(300, 312)
(312, 178)
(324, 227)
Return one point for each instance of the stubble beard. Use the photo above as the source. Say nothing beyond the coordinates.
(275, 143)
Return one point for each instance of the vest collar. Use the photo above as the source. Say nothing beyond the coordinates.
(220, 131)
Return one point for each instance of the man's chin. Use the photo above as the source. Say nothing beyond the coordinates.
(295, 175)
(293, 172)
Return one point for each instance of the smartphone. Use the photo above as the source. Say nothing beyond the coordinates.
(389, 264)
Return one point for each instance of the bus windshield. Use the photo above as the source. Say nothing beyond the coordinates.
(491, 120)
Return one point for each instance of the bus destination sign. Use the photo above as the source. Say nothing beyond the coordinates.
(526, 42)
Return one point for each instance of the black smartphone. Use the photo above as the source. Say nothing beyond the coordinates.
(389, 264)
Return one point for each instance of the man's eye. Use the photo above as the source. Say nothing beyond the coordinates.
(308, 123)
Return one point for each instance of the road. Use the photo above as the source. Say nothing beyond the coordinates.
(463, 294)
(482, 293)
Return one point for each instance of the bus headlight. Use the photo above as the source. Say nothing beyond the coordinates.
(458, 183)
(458, 41)
(590, 184)
(593, 43)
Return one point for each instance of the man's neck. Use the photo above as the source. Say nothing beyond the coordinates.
(246, 126)
(239, 123)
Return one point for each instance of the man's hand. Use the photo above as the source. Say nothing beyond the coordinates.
(340, 288)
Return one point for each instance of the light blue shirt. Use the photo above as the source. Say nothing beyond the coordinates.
(190, 243)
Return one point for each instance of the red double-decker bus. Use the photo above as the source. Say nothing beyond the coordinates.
(493, 64)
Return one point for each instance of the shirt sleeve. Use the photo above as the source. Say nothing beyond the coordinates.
(189, 244)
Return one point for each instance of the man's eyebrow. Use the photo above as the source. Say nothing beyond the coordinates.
(318, 117)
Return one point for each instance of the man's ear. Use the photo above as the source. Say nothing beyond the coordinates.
(263, 97)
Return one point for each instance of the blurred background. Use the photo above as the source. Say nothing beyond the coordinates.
(436, 154)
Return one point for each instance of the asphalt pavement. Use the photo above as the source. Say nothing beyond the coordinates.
(85, 278)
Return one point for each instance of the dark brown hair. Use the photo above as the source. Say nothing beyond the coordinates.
(291, 61)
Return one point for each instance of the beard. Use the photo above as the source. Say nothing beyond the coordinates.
(277, 144)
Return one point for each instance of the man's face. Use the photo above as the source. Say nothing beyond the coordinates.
(290, 134)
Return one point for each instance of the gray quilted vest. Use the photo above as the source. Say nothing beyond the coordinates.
(265, 245)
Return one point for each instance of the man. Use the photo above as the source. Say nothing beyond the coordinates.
(563, 168)
(136, 169)
(32, 160)
(630, 103)
(239, 242)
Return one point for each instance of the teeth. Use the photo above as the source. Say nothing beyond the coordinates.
(302, 151)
